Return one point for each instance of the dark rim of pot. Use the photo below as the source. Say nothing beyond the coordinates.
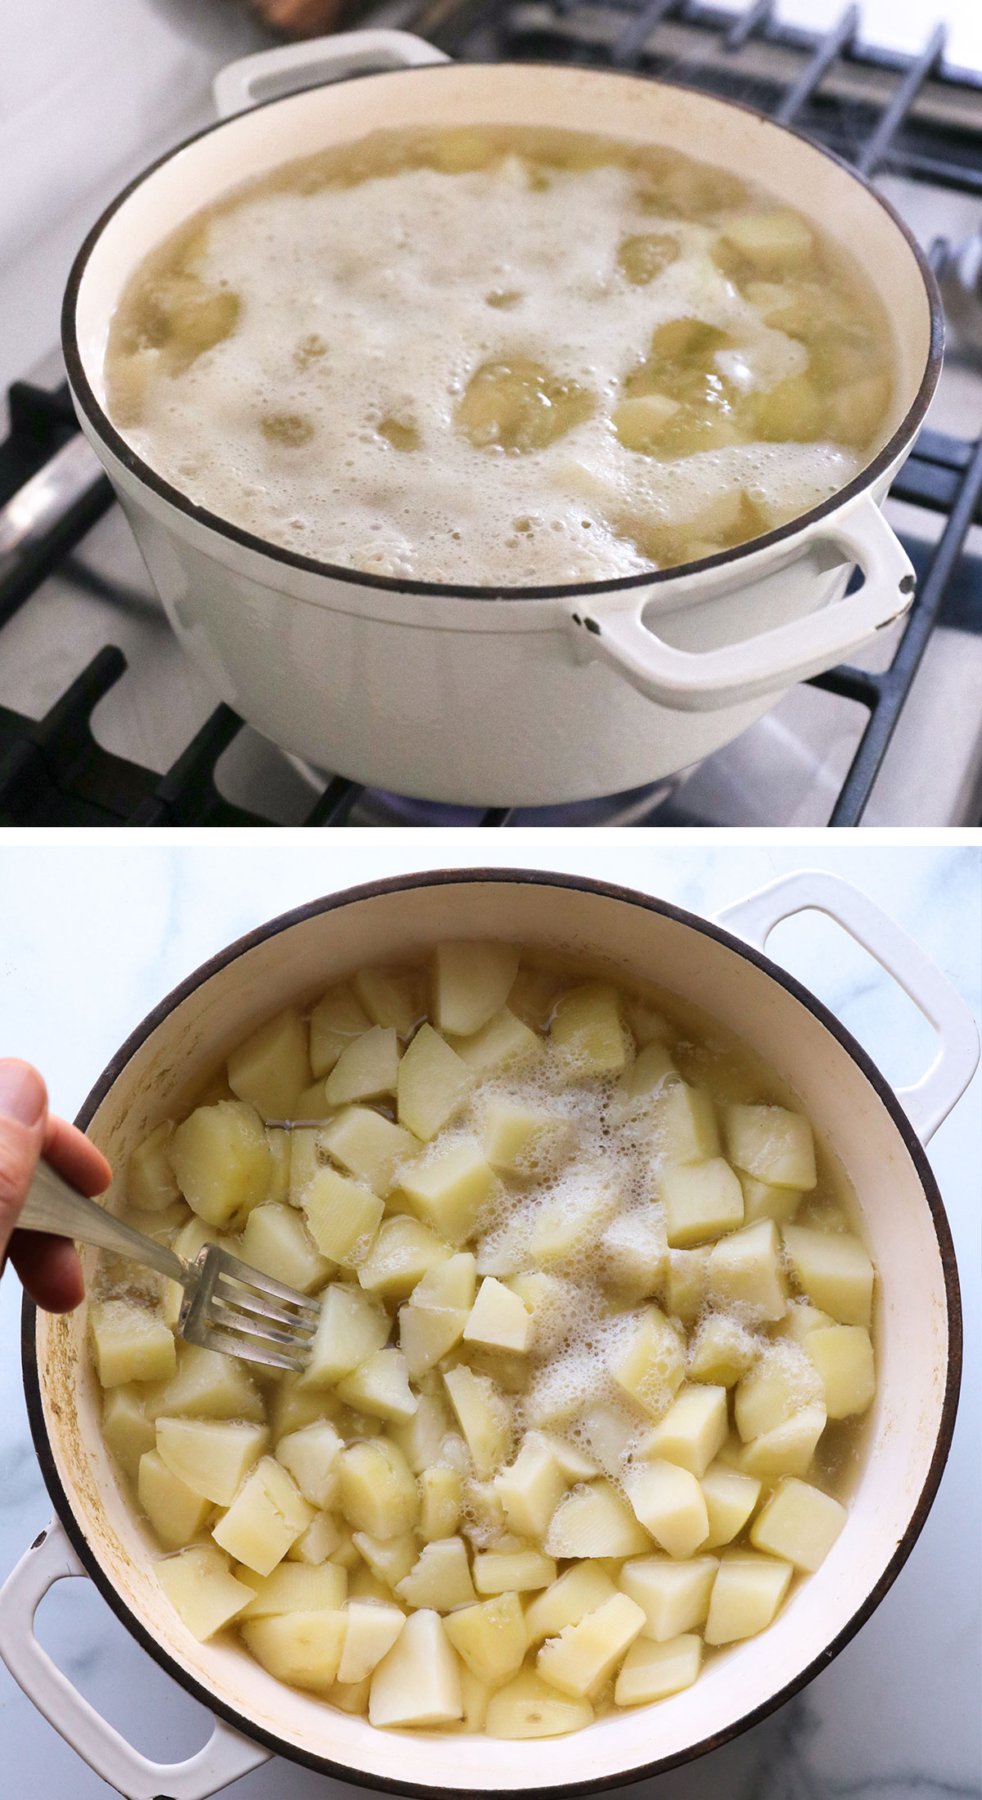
(626, 896)
(125, 454)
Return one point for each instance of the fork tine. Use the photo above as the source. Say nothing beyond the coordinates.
(231, 1344)
(256, 1330)
(233, 1293)
(232, 1268)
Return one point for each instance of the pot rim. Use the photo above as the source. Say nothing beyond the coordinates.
(649, 903)
(135, 464)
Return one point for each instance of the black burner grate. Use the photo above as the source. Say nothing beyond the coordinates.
(886, 113)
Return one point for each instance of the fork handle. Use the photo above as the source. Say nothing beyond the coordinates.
(52, 1205)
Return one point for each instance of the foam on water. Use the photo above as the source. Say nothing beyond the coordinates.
(393, 277)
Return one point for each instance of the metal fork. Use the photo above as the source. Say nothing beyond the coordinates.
(227, 1306)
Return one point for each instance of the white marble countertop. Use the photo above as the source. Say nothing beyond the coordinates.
(88, 942)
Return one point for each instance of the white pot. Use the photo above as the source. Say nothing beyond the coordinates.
(504, 696)
(917, 1324)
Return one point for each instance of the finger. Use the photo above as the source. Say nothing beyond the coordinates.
(23, 1108)
(69, 1151)
(49, 1268)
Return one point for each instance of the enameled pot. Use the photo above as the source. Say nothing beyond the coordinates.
(504, 696)
(877, 1137)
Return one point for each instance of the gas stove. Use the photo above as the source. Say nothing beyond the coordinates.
(104, 721)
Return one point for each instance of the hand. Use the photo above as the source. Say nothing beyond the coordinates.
(48, 1266)
(299, 18)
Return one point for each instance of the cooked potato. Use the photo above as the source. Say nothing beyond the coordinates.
(471, 983)
(202, 1590)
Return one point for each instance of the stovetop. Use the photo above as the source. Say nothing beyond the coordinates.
(104, 721)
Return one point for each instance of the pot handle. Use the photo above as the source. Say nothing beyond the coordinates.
(270, 74)
(225, 1757)
(701, 681)
(929, 1101)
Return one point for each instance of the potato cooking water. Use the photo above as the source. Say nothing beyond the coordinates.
(555, 358)
(594, 1349)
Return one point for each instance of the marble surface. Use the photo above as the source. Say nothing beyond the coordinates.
(90, 939)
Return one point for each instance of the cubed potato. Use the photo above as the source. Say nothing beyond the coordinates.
(440, 1492)
(278, 1143)
(683, 1123)
(641, 1080)
(745, 1271)
(176, 1513)
(786, 1449)
(799, 1523)
(491, 1637)
(380, 1386)
(730, 1499)
(334, 1022)
(347, 1554)
(222, 1160)
(150, 1181)
(523, 1139)
(452, 1283)
(504, 1042)
(126, 1428)
(201, 1589)
(421, 1438)
(587, 1035)
(652, 1671)
(565, 1227)
(721, 1351)
(433, 1084)
(773, 1144)
(634, 1254)
(211, 1456)
(130, 1343)
(378, 1488)
(301, 1648)
(484, 1417)
(207, 1385)
(294, 1587)
(528, 1707)
(418, 1681)
(305, 1161)
(701, 1200)
(543, 1296)
(448, 1188)
(775, 241)
(343, 1216)
(272, 1066)
(692, 1430)
(575, 1465)
(320, 1540)
(606, 1432)
(582, 1588)
(532, 1488)
(686, 1283)
(391, 998)
(652, 1366)
(843, 1356)
(366, 1069)
(534, 995)
(471, 983)
(475, 1695)
(388, 1559)
(594, 1520)
(266, 1516)
(781, 1381)
(668, 1501)
(585, 1655)
(801, 1319)
(833, 1269)
(674, 1595)
(311, 1103)
(746, 1595)
(368, 1146)
(399, 1258)
(277, 1242)
(351, 1328)
(311, 1455)
(762, 1201)
(194, 1235)
(639, 422)
(498, 1319)
(440, 1577)
(512, 1571)
(427, 1333)
(372, 1629)
(350, 1696)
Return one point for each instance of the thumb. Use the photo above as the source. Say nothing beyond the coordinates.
(23, 1113)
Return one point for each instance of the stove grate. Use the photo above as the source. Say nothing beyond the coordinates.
(886, 113)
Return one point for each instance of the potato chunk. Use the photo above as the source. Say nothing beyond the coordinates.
(701, 1200)
(222, 1160)
(366, 1068)
(674, 1595)
(201, 1589)
(730, 1499)
(652, 1367)
(498, 1319)
(531, 1488)
(351, 1328)
(471, 982)
(525, 1140)
(390, 999)
(684, 1124)
(583, 1656)
(451, 1283)
(380, 1386)
(378, 1488)
(512, 1571)
(780, 1382)
(491, 1637)
(418, 1681)
(440, 1492)
(293, 1587)
(368, 1146)
(745, 1270)
(799, 1523)
(746, 1595)
(503, 1043)
(843, 1356)
(150, 1180)
(311, 1455)
(207, 1385)
(334, 1022)
(343, 1216)
(126, 1428)
(653, 1671)
(427, 1333)
(669, 1503)
(272, 1067)
(174, 1510)
(440, 1577)
(484, 1417)
(211, 1456)
(773, 1144)
(834, 1271)
(692, 1430)
(593, 1520)
(301, 1648)
(266, 1516)
(399, 1258)
(529, 1708)
(721, 1351)
(276, 1241)
(786, 1449)
(433, 1084)
(130, 1343)
(587, 1035)
(448, 1188)
(372, 1629)
(634, 1253)
(583, 1588)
